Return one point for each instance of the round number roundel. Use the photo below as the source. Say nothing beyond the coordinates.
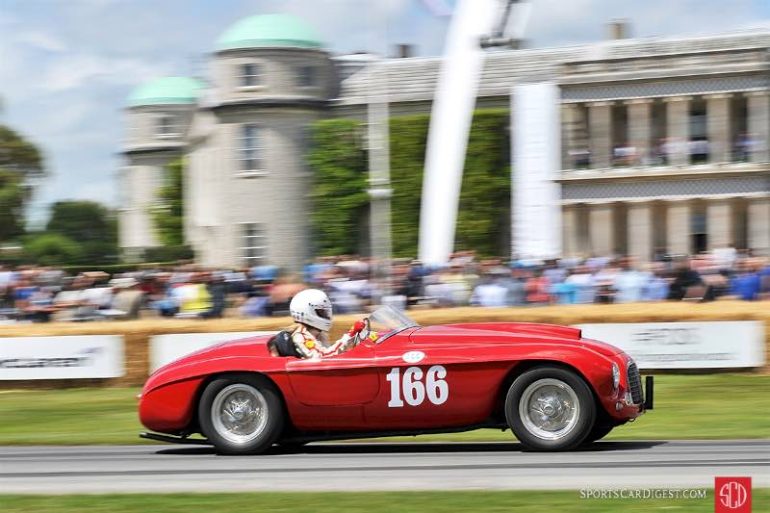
(411, 388)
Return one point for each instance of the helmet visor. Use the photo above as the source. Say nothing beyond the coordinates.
(323, 313)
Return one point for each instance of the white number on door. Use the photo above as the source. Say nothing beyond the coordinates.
(414, 391)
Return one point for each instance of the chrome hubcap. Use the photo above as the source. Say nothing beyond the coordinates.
(549, 409)
(239, 413)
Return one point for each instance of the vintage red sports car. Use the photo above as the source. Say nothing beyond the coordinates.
(554, 389)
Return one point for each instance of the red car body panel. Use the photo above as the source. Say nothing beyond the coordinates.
(353, 392)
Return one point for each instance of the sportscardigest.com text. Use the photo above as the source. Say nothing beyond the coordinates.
(643, 493)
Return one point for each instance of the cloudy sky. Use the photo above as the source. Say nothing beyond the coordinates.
(66, 66)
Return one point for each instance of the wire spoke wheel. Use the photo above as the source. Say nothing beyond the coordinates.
(239, 413)
(549, 409)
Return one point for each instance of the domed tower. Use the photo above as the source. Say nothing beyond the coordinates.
(158, 117)
(247, 192)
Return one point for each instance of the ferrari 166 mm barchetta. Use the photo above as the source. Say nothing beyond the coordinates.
(553, 388)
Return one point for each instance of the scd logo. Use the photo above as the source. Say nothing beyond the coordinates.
(732, 495)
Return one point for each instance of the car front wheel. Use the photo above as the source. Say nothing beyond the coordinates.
(241, 414)
(550, 409)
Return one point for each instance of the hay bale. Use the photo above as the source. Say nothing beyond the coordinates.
(138, 333)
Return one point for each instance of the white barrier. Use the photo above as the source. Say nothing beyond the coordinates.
(167, 348)
(71, 357)
(686, 345)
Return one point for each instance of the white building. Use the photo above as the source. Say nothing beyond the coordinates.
(246, 135)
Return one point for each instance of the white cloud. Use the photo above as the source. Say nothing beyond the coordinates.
(43, 41)
(65, 70)
(79, 70)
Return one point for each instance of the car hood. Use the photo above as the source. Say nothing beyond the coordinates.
(513, 333)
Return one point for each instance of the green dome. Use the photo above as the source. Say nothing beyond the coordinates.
(269, 30)
(166, 91)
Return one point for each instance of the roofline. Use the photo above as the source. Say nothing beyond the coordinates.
(269, 103)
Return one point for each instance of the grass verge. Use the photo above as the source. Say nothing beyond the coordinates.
(371, 502)
(717, 406)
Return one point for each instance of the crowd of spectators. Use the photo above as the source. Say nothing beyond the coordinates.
(698, 151)
(39, 294)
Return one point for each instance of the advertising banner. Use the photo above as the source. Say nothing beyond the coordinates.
(686, 345)
(71, 357)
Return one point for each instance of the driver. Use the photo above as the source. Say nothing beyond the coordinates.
(312, 311)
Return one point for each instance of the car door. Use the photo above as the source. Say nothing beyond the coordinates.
(432, 384)
(331, 392)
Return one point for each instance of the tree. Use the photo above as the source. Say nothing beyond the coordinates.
(91, 224)
(168, 214)
(19, 155)
(12, 197)
(53, 249)
(20, 161)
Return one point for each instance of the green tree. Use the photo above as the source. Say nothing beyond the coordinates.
(12, 197)
(339, 192)
(53, 249)
(168, 214)
(20, 161)
(91, 224)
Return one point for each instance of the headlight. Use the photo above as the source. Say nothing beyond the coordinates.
(615, 376)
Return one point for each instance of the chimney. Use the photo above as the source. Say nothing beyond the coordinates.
(404, 51)
(618, 29)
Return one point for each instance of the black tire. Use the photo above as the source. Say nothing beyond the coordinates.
(598, 432)
(241, 432)
(573, 389)
(290, 446)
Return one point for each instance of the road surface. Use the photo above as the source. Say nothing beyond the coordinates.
(379, 466)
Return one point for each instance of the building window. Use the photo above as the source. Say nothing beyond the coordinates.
(306, 76)
(250, 148)
(167, 126)
(250, 75)
(304, 146)
(253, 244)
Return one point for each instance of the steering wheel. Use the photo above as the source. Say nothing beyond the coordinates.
(363, 335)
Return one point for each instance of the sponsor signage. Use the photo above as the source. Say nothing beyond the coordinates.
(72, 357)
(686, 345)
(167, 348)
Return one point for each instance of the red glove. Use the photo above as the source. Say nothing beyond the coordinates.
(356, 328)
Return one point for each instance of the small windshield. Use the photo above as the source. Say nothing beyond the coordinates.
(387, 321)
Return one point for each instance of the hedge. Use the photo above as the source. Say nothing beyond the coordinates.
(341, 205)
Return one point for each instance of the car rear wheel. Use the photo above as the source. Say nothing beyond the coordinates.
(241, 414)
(550, 409)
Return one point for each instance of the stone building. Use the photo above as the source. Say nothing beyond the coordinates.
(665, 141)
(158, 118)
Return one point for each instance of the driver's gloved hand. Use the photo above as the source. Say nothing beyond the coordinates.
(356, 328)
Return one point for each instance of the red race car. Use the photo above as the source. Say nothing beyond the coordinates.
(554, 389)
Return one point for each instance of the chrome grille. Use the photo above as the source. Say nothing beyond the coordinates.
(635, 383)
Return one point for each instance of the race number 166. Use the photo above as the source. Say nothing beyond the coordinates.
(410, 387)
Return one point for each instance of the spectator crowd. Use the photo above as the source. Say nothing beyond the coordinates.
(39, 294)
(697, 151)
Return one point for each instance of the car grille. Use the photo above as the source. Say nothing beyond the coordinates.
(635, 383)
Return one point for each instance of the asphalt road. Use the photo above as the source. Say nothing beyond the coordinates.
(380, 466)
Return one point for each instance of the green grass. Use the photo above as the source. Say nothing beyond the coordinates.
(70, 416)
(686, 407)
(404, 502)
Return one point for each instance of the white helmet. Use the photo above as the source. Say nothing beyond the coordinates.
(312, 307)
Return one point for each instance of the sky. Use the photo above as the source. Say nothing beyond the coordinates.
(67, 66)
